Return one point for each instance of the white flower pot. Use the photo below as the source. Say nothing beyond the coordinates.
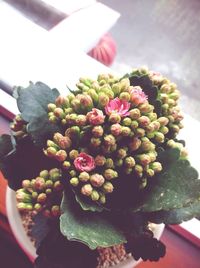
(27, 246)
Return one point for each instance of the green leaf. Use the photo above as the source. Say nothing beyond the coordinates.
(24, 162)
(175, 216)
(86, 204)
(6, 145)
(32, 103)
(176, 187)
(55, 251)
(93, 229)
(147, 86)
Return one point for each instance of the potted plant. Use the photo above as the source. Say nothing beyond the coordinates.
(93, 168)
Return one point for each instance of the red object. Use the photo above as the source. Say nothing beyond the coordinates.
(105, 51)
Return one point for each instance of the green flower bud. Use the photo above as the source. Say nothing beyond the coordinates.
(121, 153)
(171, 102)
(144, 159)
(50, 151)
(140, 132)
(119, 162)
(48, 191)
(150, 172)
(147, 145)
(102, 198)
(146, 108)
(55, 174)
(70, 120)
(165, 88)
(66, 165)
(34, 195)
(134, 113)
(152, 155)
(55, 211)
(53, 119)
(107, 187)
(113, 148)
(103, 77)
(81, 120)
(103, 99)
(39, 184)
(61, 155)
(100, 160)
(159, 137)
(110, 174)
(152, 116)
(97, 131)
(74, 181)
(23, 196)
(116, 89)
(87, 189)
(49, 183)
(73, 154)
(124, 84)
(114, 118)
(84, 176)
(138, 170)
(97, 180)
(109, 140)
(109, 163)
(51, 107)
(93, 94)
(86, 81)
(95, 142)
(135, 144)
(175, 95)
(126, 131)
(68, 110)
(71, 96)
(59, 113)
(164, 130)
(163, 121)
(156, 166)
(52, 144)
(24, 207)
(125, 96)
(174, 128)
(37, 207)
(129, 162)
(134, 125)
(44, 174)
(95, 195)
(107, 90)
(72, 173)
(127, 122)
(42, 198)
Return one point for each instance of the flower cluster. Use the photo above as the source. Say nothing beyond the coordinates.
(42, 193)
(110, 128)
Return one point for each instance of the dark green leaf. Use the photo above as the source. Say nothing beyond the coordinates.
(6, 145)
(55, 251)
(25, 162)
(88, 205)
(175, 216)
(176, 187)
(92, 229)
(40, 228)
(32, 103)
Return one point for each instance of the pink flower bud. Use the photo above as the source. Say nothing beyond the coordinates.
(137, 95)
(95, 117)
(97, 180)
(116, 129)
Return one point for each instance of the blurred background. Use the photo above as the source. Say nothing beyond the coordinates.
(165, 36)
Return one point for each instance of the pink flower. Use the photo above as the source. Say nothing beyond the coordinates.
(137, 95)
(118, 106)
(84, 162)
(95, 117)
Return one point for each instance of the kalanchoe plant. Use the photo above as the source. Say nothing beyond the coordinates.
(100, 163)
